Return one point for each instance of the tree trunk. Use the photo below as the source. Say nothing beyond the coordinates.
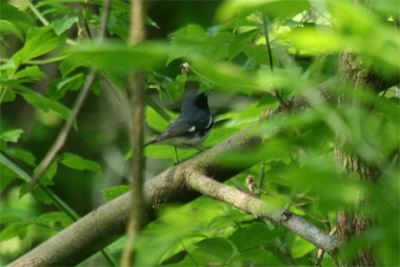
(354, 221)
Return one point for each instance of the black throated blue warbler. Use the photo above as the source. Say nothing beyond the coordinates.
(192, 126)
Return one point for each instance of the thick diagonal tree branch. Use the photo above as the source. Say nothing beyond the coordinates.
(107, 223)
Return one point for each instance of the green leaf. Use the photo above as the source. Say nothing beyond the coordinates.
(96, 87)
(193, 39)
(53, 218)
(59, 87)
(260, 256)
(9, 96)
(63, 24)
(7, 176)
(218, 247)
(47, 177)
(22, 154)
(155, 120)
(31, 72)
(151, 22)
(69, 64)
(7, 219)
(8, 27)
(17, 17)
(114, 192)
(253, 235)
(120, 57)
(10, 135)
(79, 163)
(167, 152)
(275, 9)
(41, 195)
(14, 230)
(46, 104)
(218, 135)
(229, 77)
(38, 41)
(240, 41)
(301, 247)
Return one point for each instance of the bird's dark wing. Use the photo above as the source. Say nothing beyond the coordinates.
(176, 129)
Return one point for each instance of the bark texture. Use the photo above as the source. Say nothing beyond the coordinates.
(352, 222)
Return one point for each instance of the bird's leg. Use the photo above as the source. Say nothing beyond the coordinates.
(176, 154)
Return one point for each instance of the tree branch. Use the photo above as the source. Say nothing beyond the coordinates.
(107, 223)
(261, 209)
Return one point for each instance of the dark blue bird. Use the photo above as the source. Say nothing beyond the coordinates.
(192, 126)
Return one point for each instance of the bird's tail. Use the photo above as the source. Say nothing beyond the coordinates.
(150, 143)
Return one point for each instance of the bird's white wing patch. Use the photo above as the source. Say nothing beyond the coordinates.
(209, 122)
(192, 129)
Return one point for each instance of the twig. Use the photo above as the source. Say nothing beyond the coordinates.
(389, 159)
(320, 253)
(137, 87)
(4, 91)
(85, 22)
(63, 135)
(271, 65)
(37, 13)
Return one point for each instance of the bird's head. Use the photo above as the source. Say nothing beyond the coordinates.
(196, 101)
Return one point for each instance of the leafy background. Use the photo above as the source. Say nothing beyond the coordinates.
(44, 63)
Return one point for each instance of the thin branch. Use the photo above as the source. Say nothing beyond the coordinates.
(320, 253)
(37, 13)
(4, 90)
(271, 65)
(261, 209)
(137, 87)
(85, 21)
(63, 135)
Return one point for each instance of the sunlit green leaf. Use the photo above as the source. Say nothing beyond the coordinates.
(218, 247)
(14, 230)
(115, 191)
(273, 8)
(63, 24)
(10, 135)
(252, 236)
(59, 87)
(46, 104)
(22, 154)
(301, 247)
(78, 163)
(120, 57)
(39, 41)
(30, 72)
(56, 217)
(16, 16)
(6, 219)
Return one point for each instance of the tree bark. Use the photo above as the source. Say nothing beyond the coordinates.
(352, 222)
